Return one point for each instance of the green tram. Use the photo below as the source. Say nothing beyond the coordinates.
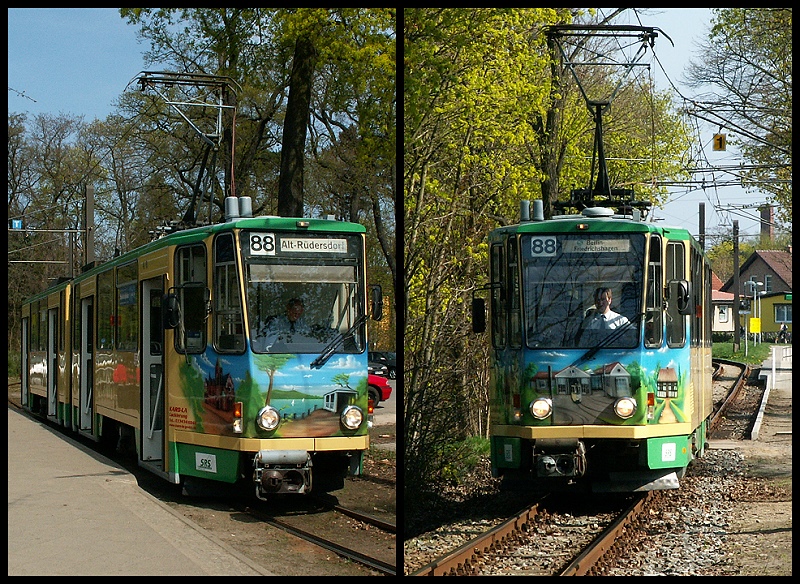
(608, 399)
(168, 348)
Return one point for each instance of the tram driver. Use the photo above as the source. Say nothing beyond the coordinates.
(290, 327)
(291, 322)
(601, 318)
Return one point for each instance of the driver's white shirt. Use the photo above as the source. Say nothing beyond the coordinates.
(607, 321)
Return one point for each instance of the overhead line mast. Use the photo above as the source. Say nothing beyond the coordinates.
(600, 192)
(221, 86)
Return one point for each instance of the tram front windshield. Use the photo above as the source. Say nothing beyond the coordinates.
(561, 277)
(301, 305)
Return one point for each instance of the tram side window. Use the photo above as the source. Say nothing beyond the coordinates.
(653, 332)
(43, 325)
(191, 281)
(61, 329)
(76, 320)
(105, 311)
(514, 316)
(228, 322)
(675, 270)
(498, 297)
(34, 340)
(127, 315)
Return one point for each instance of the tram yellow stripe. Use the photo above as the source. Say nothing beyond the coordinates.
(256, 444)
(622, 432)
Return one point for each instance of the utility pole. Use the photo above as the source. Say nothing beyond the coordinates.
(702, 227)
(88, 225)
(736, 326)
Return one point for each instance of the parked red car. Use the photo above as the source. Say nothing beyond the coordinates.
(379, 389)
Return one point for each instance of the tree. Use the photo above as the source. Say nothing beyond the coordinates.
(145, 161)
(292, 51)
(290, 185)
(307, 76)
(747, 66)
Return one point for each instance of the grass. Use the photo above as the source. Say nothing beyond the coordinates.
(755, 353)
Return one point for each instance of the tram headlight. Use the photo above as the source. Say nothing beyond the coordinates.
(625, 407)
(352, 416)
(541, 407)
(268, 418)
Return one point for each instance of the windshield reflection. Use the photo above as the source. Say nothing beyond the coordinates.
(301, 308)
(561, 279)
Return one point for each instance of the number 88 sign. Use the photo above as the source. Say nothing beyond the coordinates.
(262, 244)
(543, 246)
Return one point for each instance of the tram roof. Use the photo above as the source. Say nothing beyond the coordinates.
(294, 224)
(610, 224)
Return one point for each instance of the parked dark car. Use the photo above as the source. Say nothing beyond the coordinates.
(388, 358)
(379, 389)
(377, 368)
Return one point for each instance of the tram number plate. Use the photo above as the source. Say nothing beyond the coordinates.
(669, 451)
(262, 244)
(543, 247)
(205, 462)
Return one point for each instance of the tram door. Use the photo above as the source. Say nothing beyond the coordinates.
(86, 367)
(52, 360)
(152, 372)
(24, 372)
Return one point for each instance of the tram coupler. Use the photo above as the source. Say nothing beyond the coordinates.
(559, 458)
(281, 472)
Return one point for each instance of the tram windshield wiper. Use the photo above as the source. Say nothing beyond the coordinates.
(608, 340)
(330, 349)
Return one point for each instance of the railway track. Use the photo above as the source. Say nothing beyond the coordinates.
(575, 542)
(381, 566)
(538, 541)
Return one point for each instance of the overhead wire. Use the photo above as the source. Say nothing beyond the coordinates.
(711, 187)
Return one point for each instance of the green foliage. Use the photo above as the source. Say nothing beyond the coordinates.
(461, 457)
(722, 260)
(756, 354)
(747, 62)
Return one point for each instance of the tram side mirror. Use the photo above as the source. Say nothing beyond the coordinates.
(209, 307)
(478, 315)
(195, 303)
(680, 292)
(377, 302)
(170, 311)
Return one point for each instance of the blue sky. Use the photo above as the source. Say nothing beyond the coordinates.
(79, 60)
(687, 27)
(70, 60)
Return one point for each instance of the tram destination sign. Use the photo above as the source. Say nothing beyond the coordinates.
(268, 244)
(598, 245)
(301, 244)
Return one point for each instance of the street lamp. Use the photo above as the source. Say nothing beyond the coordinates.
(747, 284)
(761, 320)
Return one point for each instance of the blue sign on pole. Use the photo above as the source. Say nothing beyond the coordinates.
(16, 224)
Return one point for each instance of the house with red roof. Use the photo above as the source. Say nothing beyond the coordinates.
(765, 279)
(722, 307)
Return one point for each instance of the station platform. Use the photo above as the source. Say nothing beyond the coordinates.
(74, 512)
(776, 374)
